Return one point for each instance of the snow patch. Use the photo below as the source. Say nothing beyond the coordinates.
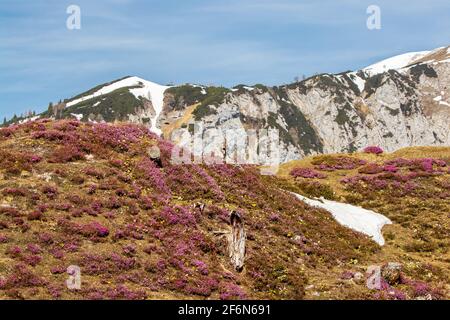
(147, 89)
(356, 218)
(28, 119)
(77, 116)
(396, 62)
(360, 82)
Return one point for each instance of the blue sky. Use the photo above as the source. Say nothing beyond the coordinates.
(198, 41)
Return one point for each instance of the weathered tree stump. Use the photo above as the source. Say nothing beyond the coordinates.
(236, 241)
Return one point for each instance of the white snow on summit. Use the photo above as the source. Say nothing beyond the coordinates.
(396, 62)
(147, 89)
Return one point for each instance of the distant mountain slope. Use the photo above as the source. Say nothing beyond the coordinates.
(398, 102)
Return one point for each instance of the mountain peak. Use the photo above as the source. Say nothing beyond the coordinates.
(138, 87)
(404, 60)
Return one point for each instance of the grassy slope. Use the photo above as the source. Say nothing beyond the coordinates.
(88, 195)
(418, 237)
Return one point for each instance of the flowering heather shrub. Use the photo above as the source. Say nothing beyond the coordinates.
(399, 162)
(274, 217)
(426, 164)
(211, 183)
(6, 132)
(306, 173)
(54, 291)
(32, 260)
(66, 125)
(177, 215)
(14, 251)
(33, 158)
(390, 168)
(201, 267)
(202, 288)
(116, 163)
(94, 172)
(15, 162)
(112, 203)
(62, 206)
(93, 229)
(34, 248)
(230, 291)
(118, 137)
(11, 212)
(50, 135)
(45, 238)
(333, 163)
(3, 238)
(119, 292)
(347, 275)
(148, 170)
(58, 269)
(21, 277)
(129, 250)
(50, 191)
(57, 254)
(97, 228)
(373, 150)
(98, 264)
(225, 170)
(16, 192)
(145, 203)
(66, 154)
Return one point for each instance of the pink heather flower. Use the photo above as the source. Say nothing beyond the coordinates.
(347, 275)
(420, 289)
(373, 149)
(14, 251)
(102, 231)
(427, 164)
(3, 238)
(306, 173)
(390, 168)
(201, 266)
(231, 291)
(274, 217)
(35, 158)
(33, 248)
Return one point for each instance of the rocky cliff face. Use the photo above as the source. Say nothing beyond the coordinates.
(405, 106)
(399, 102)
